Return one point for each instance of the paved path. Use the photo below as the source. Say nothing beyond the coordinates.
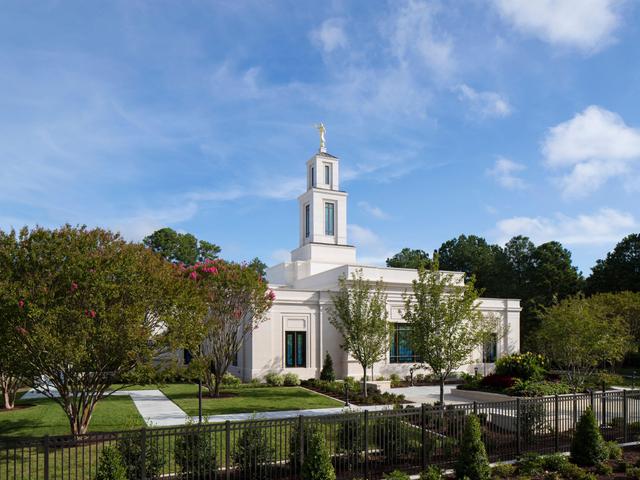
(429, 394)
(159, 411)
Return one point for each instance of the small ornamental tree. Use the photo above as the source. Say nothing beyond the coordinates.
(12, 368)
(110, 465)
(445, 323)
(588, 446)
(327, 372)
(237, 300)
(580, 334)
(360, 314)
(473, 462)
(92, 309)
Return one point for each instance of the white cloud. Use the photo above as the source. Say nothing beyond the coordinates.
(484, 104)
(604, 226)
(415, 38)
(276, 188)
(587, 25)
(505, 170)
(596, 145)
(373, 210)
(330, 35)
(371, 248)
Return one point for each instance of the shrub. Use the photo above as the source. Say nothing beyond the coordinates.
(130, 448)
(350, 438)
(526, 366)
(420, 378)
(531, 464)
(503, 470)
(497, 382)
(291, 380)
(255, 382)
(572, 471)
(252, 454)
(327, 372)
(537, 388)
(394, 377)
(472, 461)
(110, 466)
(532, 418)
(431, 473)
(555, 462)
(587, 446)
(274, 379)
(609, 379)
(308, 429)
(230, 380)
(317, 463)
(614, 451)
(604, 469)
(396, 475)
(195, 453)
(353, 384)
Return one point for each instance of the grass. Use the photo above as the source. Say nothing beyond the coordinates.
(46, 417)
(247, 399)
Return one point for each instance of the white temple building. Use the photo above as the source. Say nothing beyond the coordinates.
(297, 333)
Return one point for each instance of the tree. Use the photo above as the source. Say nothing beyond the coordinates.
(317, 463)
(578, 335)
(445, 323)
(409, 258)
(237, 300)
(327, 372)
(259, 266)
(587, 446)
(474, 256)
(92, 309)
(360, 314)
(620, 270)
(12, 369)
(180, 247)
(625, 305)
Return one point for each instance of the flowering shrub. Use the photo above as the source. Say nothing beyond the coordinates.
(497, 382)
(532, 388)
(526, 366)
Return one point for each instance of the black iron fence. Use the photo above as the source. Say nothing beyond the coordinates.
(362, 444)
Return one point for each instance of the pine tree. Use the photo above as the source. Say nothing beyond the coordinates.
(587, 446)
(327, 372)
(317, 464)
(473, 461)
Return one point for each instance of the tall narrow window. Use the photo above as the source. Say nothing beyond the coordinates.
(327, 174)
(329, 218)
(490, 349)
(296, 343)
(400, 351)
(307, 220)
(313, 177)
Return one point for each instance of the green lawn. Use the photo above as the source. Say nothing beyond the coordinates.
(46, 417)
(247, 399)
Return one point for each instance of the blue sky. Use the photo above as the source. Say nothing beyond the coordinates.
(496, 118)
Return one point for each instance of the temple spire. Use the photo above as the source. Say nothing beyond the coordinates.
(322, 131)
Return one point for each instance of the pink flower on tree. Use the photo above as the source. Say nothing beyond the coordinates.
(22, 331)
(193, 275)
(21, 303)
(91, 313)
(74, 287)
(271, 295)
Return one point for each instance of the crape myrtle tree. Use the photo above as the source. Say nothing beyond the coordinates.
(12, 371)
(444, 321)
(359, 313)
(237, 300)
(93, 308)
(580, 334)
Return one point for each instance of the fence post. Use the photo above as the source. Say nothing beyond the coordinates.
(557, 424)
(46, 457)
(424, 436)
(575, 411)
(301, 440)
(518, 439)
(625, 420)
(475, 408)
(143, 454)
(365, 445)
(604, 406)
(591, 395)
(227, 449)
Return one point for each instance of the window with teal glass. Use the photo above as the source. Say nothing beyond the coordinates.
(400, 351)
(329, 218)
(490, 349)
(307, 220)
(327, 174)
(296, 346)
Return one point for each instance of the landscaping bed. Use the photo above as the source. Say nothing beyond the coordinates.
(335, 389)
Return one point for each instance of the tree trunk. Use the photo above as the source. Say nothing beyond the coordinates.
(9, 403)
(216, 387)
(441, 390)
(364, 382)
(9, 387)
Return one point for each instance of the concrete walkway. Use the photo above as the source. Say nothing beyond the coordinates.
(429, 394)
(159, 411)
